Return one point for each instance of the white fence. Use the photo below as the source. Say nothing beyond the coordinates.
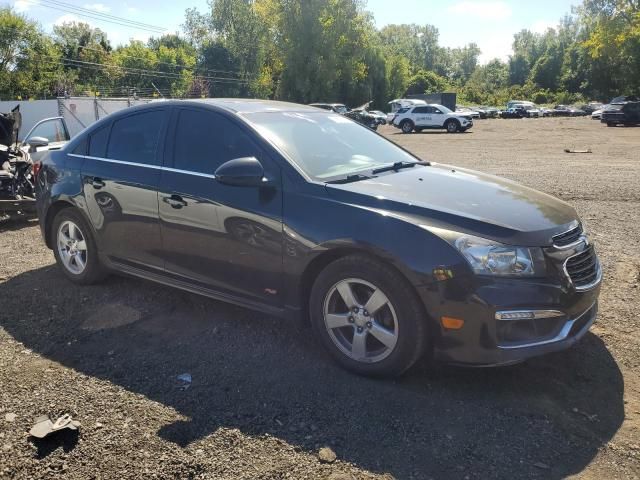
(79, 112)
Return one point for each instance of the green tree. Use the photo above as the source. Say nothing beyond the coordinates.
(426, 82)
(29, 62)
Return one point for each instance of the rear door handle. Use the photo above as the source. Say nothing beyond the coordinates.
(98, 183)
(176, 201)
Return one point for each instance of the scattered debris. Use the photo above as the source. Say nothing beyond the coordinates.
(568, 150)
(541, 465)
(10, 417)
(45, 427)
(185, 380)
(326, 455)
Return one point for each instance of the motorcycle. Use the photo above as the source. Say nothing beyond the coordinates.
(17, 176)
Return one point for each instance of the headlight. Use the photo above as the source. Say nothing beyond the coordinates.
(487, 257)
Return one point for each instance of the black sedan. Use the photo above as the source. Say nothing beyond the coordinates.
(299, 212)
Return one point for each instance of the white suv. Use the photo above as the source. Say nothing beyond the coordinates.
(421, 117)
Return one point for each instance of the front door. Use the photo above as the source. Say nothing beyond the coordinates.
(219, 237)
(54, 131)
(437, 116)
(121, 174)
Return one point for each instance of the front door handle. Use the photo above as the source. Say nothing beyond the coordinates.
(176, 201)
(98, 183)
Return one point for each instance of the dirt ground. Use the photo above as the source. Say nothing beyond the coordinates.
(264, 396)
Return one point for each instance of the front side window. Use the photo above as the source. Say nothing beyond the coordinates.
(53, 130)
(326, 145)
(205, 140)
(420, 110)
(135, 138)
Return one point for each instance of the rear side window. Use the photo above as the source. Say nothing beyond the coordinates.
(205, 140)
(135, 138)
(81, 148)
(98, 142)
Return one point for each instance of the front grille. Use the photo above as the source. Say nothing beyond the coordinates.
(567, 238)
(583, 268)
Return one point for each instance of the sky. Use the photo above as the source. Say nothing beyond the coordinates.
(489, 23)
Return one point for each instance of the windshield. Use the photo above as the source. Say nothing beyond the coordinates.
(325, 145)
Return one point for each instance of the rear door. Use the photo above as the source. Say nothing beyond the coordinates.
(219, 237)
(121, 175)
(421, 116)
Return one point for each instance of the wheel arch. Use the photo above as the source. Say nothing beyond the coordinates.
(52, 211)
(321, 261)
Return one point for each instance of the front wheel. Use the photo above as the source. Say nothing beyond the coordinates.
(452, 126)
(368, 317)
(75, 248)
(406, 126)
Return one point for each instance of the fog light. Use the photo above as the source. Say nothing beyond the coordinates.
(528, 314)
(451, 323)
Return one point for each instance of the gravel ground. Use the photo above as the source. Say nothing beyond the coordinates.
(265, 398)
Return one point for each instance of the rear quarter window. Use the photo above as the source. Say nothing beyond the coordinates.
(98, 142)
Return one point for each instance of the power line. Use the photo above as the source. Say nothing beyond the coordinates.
(185, 67)
(68, 62)
(92, 14)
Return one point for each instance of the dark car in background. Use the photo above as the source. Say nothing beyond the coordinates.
(566, 111)
(621, 114)
(298, 212)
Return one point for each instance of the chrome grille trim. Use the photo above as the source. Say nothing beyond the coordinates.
(587, 267)
(570, 238)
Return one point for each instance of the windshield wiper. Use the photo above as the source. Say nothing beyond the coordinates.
(351, 178)
(396, 166)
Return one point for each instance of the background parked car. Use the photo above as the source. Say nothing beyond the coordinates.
(622, 114)
(566, 111)
(363, 117)
(431, 117)
(490, 112)
(514, 112)
(334, 107)
(468, 112)
(380, 116)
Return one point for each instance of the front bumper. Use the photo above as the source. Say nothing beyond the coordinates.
(486, 341)
(23, 207)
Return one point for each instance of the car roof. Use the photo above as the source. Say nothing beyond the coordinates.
(235, 105)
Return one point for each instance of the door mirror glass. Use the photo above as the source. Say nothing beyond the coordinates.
(242, 172)
(36, 142)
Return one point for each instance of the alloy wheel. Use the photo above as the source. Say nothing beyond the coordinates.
(72, 247)
(360, 320)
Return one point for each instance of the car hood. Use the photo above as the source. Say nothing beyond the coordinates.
(451, 198)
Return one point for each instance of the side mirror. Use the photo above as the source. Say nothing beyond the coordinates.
(36, 142)
(242, 172)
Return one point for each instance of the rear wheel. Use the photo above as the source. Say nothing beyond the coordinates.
(368, 317)
(452, 126)
(407, 126)
(75, 248)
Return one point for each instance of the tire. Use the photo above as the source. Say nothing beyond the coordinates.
(406, 126)
(400, 321)
(452, 126)
(85, 267)
(609, 124)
